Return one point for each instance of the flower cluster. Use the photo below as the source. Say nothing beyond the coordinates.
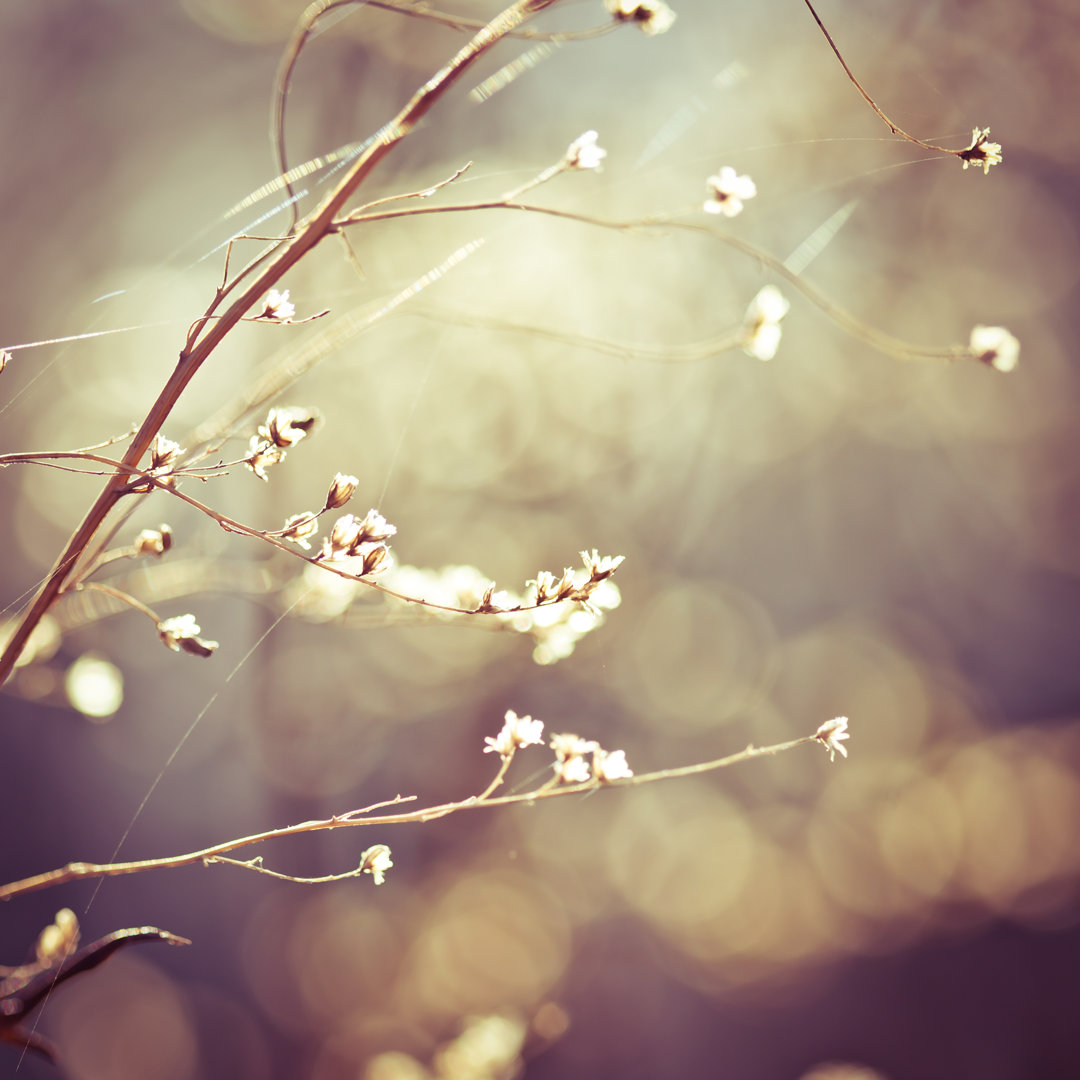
(571, 766)
(571, 751)
(359, 538)
(653, 16)
(727, 192)
(182, 633)
(517, 731)
(761, 328)
(981, 151)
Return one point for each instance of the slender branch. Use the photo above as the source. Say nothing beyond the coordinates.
(663, 222)
(893, 127)
(286, 256)
(78, 870)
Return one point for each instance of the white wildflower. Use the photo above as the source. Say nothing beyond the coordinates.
(611, 765)
(994, 345)
(584, 153)
(276, 307)
(728, 191)
(761, 330)
(517, 731)
(981, 151)
(830, 735)
(182, 633)
(376, 861)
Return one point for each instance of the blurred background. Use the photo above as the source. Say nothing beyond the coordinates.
(833, 532)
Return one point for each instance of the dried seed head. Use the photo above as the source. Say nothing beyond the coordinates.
(163, 452)
(376, 528)
(374, 557)
(341, 491)
(981, 151)
(5, 356)
(262, 454)
(653, 16)
(286, 427)
(182, 633)
(153, 541)
(299, 527)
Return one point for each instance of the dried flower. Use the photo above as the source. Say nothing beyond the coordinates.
(182, 633)
(286, 427)
(58, 940)
(276, 307)
(517, 731)
(570, 764)
(261, 455)
(374, 556)
(761, 330)
(376, 861)
(831, 733)
(299, 527)
(611, 765)
(653, 16)
(375, 527)
(728, 191)
(994, 345)
(981, 151)
(163, 452)
(153, 541)
(583, 152)
(341, 491)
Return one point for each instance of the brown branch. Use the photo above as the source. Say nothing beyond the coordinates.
(290, 252)
(76, 871)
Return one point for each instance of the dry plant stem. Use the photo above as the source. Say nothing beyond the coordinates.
(287, 255)
(882, 342)
(270, 537)
(867, 98)
(78, 870)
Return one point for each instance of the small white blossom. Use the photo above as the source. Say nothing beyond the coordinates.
(830, 735)
(517, 731)
(728, 191)
(276, 307)
(761, 330)
(994, 345)
(573, 770)
(583, 152)
(182, 633)
(981, 151)
(376, 861)
(341, 491)
(653, 16)
(611, 766)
